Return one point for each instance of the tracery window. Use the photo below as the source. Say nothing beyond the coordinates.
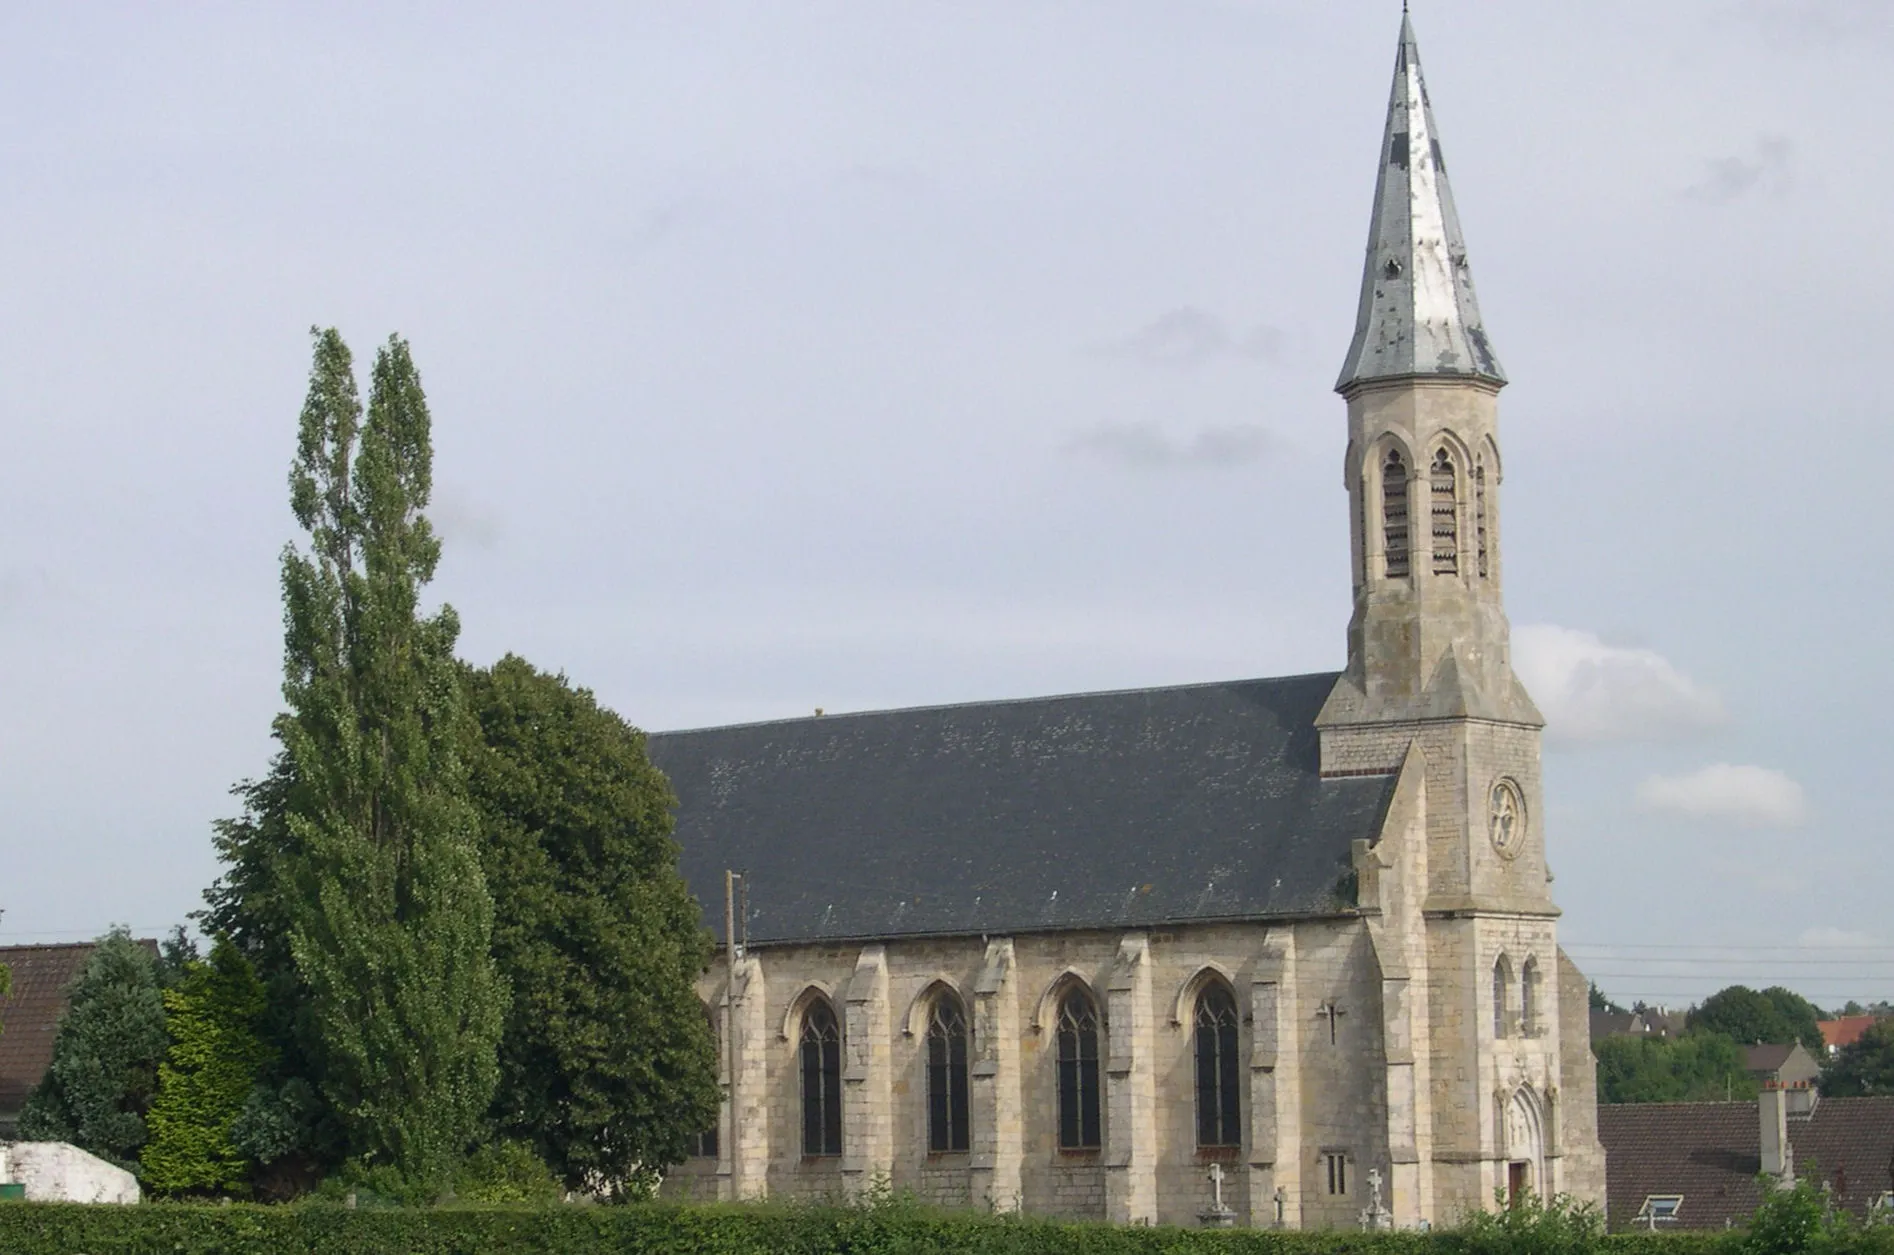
(947, 1075)
(821, 1080)
(1502, 997)
(1394, 514)
(1078, 1072)
(1446, 514)
(1218, 1098)
(1479, 515)
(1529, 997)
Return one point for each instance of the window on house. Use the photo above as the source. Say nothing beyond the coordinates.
(1529, 997)
(1660, 1209)
(1502, 997)
(1078, 1072)
(821, 1080)
(1337, 1164)
(947, 1075)
(1446, 514)
(704, 1145)
(1479, 515)
(1218, 1102)
(1394, 514)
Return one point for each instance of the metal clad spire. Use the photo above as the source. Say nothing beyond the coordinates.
(1418, 313)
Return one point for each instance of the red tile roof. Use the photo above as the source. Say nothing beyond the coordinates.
(1845, 1031)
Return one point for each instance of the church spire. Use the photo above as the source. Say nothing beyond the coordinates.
(1418, 313)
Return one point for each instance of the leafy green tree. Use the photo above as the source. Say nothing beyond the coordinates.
(1696, 1067)
(207, 1075)
(377, 882)
(1866, 1066)
(1752, 1017)
(607, 1064)
(106, 1052)
(1599, 1001)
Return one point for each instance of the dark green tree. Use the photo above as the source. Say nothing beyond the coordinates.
(1751, 1017)
(1600, 1002)
(215, 1060)
(106, 1052)
(1866, 1066)
(377, 885)
(607, 1064)
(1697, 1067)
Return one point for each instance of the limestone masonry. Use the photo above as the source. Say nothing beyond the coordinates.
(1271, 952)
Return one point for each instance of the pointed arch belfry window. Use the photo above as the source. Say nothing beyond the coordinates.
(1218, 1098)
(947, 1075)
(1078, 1072)
(1479, 515)
(1502, 997)
(821, 1080)
(1394, 525)
(1445, 513)
(1529, 997)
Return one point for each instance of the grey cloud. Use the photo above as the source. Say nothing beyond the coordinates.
(1188, 336)
(1147, 446)
(1726, 179)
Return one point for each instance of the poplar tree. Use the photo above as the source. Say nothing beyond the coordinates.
(378, 880)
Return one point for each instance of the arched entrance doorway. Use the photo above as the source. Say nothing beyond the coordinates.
(1525, 1146)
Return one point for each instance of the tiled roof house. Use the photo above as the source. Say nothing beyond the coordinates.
(29, 1016)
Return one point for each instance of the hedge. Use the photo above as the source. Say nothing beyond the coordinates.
(665, 1229)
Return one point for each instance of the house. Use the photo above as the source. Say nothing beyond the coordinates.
(1844, 1031)
(29, 1016)
(1695, 1165)
(1647, 1022)
(1790, 1065)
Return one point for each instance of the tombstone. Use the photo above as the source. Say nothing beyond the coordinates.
(1375, 1216)
(1218, 1215)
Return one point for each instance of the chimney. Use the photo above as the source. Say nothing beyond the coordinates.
(1778, 1157)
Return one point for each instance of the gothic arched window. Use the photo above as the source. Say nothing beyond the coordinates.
(946, 1075)
(821, 1080)
(1479, 514)
(1446, 514)
(1218, 1098)
(1502, 997)
(1529, 997)
(1394, 514)
(1078, 1072)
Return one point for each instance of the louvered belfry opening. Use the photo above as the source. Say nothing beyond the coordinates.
(1078, 1072)
(821, 1081)
(1218, 1098)
(1394, 514)
(1446, 514)
(947, 1076)
(1479, 514)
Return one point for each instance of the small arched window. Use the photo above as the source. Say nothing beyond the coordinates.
(1529, 997)
(1218, 1122)
(947, 1075)
(1479, 515)
(1394, 514)
(821, 1080)
(704, 1145)
(1446, 514)
(1502, 997)
(1078, 1072)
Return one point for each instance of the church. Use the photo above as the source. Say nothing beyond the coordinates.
(1270, 952)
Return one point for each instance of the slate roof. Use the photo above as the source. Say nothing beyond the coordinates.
(30, 1014)
(1709, 1152)
(1100, 810)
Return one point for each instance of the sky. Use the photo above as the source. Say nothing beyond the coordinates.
(853, 355)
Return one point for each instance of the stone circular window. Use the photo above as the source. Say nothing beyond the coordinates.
(1506, 817)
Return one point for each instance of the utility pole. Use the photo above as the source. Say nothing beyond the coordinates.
(730, 1027)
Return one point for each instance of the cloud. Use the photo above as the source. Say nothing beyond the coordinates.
(1754, 797)
(1828, 937)
(1590, 691)
(1727, 179)
(1148, 447)
(1189, 336)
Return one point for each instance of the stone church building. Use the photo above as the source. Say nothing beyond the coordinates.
(1284, 943)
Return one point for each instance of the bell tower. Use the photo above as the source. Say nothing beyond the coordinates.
(1429, 658)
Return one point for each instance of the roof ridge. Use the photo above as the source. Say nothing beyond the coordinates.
(999, 701)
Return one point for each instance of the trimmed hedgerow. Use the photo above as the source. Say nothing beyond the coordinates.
(662, 1229)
